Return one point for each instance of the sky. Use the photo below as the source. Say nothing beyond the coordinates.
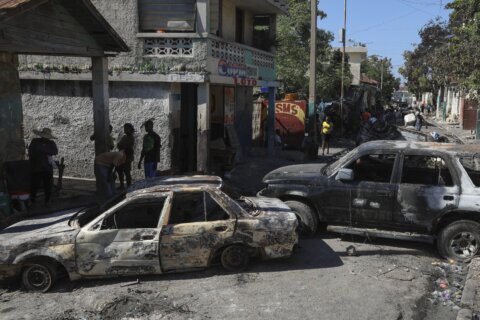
(387, 27)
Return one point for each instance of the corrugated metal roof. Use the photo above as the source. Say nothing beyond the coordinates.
(9, 4)
(83, 10)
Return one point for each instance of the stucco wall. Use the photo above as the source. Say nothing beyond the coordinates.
(11, 133)
(228, 21)
(66, 107)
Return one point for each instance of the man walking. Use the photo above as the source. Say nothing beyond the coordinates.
(127, 142)
(40, 153)
(150, 151)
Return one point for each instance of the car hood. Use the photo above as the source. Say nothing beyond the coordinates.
(273, 213)
(297, 173)
(48, 227)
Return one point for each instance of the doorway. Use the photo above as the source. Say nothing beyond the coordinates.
(188, 128)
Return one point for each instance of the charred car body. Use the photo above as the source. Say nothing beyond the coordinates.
(391, 188)
(160, 225)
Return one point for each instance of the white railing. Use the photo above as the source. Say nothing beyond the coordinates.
(161, 47)
(235, 52)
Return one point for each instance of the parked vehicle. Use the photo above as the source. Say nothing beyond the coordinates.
(400, 189)
(160, 225)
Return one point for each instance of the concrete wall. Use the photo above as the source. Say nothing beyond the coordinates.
(66, 107)
(11, 118)
(228, 20)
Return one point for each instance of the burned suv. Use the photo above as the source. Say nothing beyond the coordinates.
(400, 189)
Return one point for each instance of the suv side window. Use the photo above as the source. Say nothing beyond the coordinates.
(426, 170)
(374, 168)
(197, 206)
(472, 167)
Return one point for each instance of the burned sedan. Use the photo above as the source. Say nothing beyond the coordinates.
(407, 190)
(160, 225)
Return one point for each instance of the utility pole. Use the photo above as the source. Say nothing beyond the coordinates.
(344, 38)
(381, 78)
(312, 95)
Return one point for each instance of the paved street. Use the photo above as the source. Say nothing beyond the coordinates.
(388, 280)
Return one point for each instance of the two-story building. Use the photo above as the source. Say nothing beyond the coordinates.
(192, 67)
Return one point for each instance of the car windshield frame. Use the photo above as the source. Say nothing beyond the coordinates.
(332, 168)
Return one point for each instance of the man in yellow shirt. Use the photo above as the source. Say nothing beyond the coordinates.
(327, 128)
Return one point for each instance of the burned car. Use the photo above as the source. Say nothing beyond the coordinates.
(408, 190)
(160, 225)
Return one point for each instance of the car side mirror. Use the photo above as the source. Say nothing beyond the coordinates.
(344, 175)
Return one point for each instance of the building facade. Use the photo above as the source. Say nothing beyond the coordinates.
(192, 67)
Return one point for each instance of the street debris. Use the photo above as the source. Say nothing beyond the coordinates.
(131, 283)
(448, 284)
(352, 251)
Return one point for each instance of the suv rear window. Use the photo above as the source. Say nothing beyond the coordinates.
(426, 170)
(472, 166)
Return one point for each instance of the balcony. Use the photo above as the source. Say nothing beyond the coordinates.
(218, 56)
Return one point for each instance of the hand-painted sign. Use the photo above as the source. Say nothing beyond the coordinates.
(236, 70)
(245, 82)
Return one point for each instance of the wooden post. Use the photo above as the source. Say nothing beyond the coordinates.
(101, 118)
(271, 122)
(203, 127)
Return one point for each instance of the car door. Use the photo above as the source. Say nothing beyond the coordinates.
(123, 241)
(372, 191)
(428, 187)
(198, 223)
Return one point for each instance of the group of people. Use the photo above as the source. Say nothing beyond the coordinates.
(107, 165)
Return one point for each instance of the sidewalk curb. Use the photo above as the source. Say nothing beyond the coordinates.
(470, 291)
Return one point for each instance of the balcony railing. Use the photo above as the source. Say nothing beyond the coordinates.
(239, 53)
(163, 47)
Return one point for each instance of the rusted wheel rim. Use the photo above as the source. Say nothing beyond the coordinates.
(464, 245)
(235, 256)
(39, 277)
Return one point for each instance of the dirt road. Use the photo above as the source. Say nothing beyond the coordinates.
(388, 280)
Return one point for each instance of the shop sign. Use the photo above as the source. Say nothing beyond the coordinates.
(245, 82)
(292, 109)
(238, 70)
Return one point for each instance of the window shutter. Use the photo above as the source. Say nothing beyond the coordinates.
(167, 15)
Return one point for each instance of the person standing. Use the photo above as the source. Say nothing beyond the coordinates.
(127, 142)
(420, 121)
(105, 164)
(40, 153)
(327, 128)
(150, 152)
(110, 141)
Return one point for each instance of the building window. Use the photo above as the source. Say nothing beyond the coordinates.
(239, 26)
(262, 32)
(167, 15)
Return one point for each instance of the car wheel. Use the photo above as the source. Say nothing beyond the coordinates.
(39, 276)
(235, 258)
(306, 216)
(459, 240)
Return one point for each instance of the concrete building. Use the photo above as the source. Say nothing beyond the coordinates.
(356, 55)
(60, 28)
(192, 67)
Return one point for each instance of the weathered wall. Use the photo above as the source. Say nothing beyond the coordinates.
(11, 133)
(66, 107)
(123, 16)
(228, 21)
